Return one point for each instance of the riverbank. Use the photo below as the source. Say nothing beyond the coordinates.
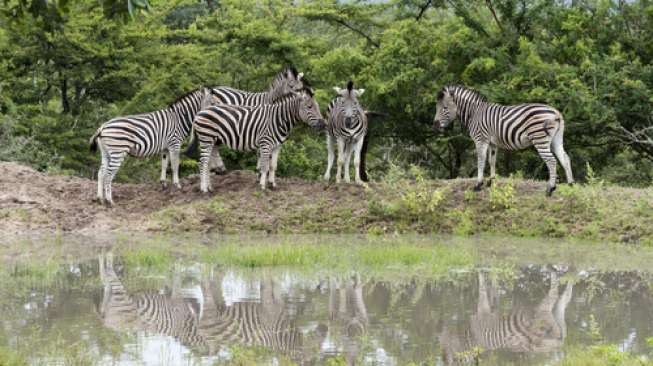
(32, 201)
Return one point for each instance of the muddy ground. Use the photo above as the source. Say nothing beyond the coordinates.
(36, 202)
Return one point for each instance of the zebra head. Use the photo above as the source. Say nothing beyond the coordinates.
(446, 110)
(209, 98)
(309, 110)
(351, 109)
(287, 81)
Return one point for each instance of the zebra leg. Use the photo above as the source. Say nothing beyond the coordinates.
(264, 166)
(358, 147)
(164, 169)
(330, 157)
(217, 165)
(104, 163)
(174, 161)
(559, 151)
(544, 149)
(115, 160)
(493, 149)
(481, 152)
(206, 149)
(273, 165)
(341, 158)
(348, 150)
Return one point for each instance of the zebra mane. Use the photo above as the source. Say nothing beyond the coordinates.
(184, 96)
(282, 75)
(455, 89)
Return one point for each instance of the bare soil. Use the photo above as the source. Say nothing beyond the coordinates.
(36, 202)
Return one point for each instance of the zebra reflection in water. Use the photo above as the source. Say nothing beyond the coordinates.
(542, 329)
(348, 320)
(198, 318)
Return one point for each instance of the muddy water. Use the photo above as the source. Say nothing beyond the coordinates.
(104, 312)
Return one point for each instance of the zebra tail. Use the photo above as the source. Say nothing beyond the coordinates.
(93, 141)
(192, 149)
(362, 169)
(376, 114)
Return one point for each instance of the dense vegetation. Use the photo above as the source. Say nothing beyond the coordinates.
(67, 66)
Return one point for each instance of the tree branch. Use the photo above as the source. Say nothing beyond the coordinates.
(494, 13)
(357, 31)
(422, 9)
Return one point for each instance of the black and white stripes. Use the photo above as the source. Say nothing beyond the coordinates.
(346, 125)
(493, 125)
(539, 329)
(263, 128)
(287, 81)
(140, 135)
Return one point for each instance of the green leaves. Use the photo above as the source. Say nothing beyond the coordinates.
(592, 62)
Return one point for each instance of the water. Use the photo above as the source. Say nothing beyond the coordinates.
(101, 311)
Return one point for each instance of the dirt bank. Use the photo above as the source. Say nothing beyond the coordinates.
(34, 202)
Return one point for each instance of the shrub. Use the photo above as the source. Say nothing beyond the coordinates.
(502, 196)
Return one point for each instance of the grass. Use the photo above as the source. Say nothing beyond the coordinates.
(602, 355)
(407, 203)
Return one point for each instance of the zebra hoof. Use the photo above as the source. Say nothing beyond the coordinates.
(549, 191)
(490, 182)
(478, 187)
(164, 185)
(219, 171)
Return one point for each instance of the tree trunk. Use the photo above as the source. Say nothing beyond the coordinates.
(65, 104)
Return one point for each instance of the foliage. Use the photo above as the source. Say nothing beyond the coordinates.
(602, 355)
(68, 66)
(502, 196)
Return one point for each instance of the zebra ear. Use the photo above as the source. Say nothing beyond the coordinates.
(359, 92)
(337, 89)
(300, 76)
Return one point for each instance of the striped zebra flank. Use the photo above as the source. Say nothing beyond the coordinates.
(263, 128)
(285, 82)
(199, 320)
(170, 314)
(492, 126)
(141, 135)
(541, 329)
(346, 126)
(263, 323)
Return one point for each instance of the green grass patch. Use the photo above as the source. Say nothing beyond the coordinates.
(406, 202)
(602, 355)
(433, 259)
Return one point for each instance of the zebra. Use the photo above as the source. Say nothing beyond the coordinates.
(285, 82)
(515, 127)
(199, 320)
(263, 128)
(141, 135)
(173, 314)
(347, 125)
(542, 329)
(265, 323)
